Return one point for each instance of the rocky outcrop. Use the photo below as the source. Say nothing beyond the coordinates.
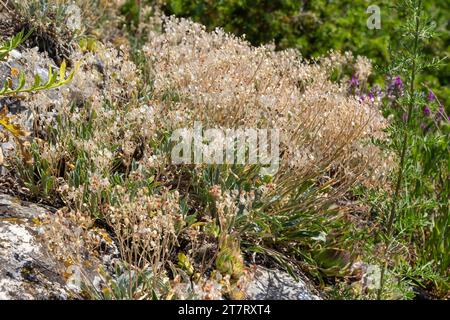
(271, 284)
(27, 271)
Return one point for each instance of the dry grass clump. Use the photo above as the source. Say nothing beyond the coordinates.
(78, 245)
(100, 148)
(106, 76)
(78, 17)
(223, 81)
(146, 226)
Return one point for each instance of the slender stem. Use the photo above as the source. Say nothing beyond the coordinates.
(5, 5)
(390, 224)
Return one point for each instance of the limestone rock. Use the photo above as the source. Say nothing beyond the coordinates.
(27, 271)
(271, 284)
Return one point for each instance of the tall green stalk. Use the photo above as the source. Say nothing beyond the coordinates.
(403, 154)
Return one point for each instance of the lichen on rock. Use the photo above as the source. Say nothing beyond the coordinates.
(27, 271)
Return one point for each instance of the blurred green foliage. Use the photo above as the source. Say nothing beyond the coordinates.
(317, 26)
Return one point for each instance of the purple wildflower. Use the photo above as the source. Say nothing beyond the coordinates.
(361, 98)
(431, 96)
(398, 82)
(423, 126)
(405, 117)
(354, 81)
(440, 114)
(353, 84)
(377, 91)
(395, 88)
(426, 111)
